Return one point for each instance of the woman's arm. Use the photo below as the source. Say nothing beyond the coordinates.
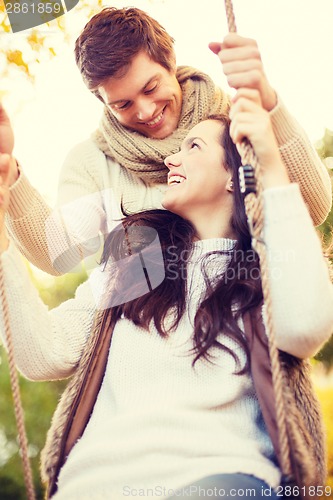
(47, 344)
(300, 286)
(301, 291)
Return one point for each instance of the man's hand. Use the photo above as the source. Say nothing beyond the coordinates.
(242, 65)
(6, 146)
(6, 133)
(5, 161)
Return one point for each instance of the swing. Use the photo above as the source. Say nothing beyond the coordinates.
(252, 188)
(283, 393)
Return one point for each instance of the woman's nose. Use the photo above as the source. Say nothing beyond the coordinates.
(172, 160)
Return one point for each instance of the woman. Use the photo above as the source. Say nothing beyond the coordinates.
(177, 407)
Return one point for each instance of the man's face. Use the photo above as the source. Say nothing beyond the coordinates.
(147, 99)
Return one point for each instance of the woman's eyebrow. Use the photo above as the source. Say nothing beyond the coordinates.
(188, 142)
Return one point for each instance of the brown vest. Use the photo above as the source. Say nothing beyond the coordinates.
(304, 423)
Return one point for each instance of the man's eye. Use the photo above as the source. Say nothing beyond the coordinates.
(119, 107)
(151, 89)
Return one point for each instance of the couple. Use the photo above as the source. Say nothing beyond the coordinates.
(177, 403)
(127, 60)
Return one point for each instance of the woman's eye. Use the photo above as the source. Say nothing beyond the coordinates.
(194, 145)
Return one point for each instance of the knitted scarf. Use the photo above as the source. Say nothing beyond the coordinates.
(144, 156)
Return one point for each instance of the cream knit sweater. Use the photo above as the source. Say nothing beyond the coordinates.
(92, 187)
(158, 424)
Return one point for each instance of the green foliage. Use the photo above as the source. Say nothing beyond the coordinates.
(39, 400)
(54, 291)
(325, 151)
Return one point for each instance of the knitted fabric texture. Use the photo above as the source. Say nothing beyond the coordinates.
(305, 426)
(144, 156)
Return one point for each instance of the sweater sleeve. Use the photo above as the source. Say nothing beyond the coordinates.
(57, 240)
(25, 221)
(47, 344)
(303, 163)
(300, 286)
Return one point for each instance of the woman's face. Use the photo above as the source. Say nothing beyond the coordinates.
(198, 181)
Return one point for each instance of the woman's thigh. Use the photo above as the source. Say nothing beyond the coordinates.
(231, 486)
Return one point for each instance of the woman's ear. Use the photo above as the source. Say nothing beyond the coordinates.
(230, 185)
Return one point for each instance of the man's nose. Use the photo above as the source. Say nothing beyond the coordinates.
(145, 110)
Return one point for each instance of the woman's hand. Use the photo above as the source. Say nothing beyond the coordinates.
(5, 168)
(250, 121)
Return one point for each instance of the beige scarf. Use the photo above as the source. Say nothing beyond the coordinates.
(144, 156)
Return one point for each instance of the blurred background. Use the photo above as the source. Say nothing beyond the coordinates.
(51, 111)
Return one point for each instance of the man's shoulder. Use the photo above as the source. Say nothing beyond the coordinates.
(86, 147)
(88, 153)
(87, 157)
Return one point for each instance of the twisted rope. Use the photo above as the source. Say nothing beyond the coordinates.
(255, 214)
(19, 416)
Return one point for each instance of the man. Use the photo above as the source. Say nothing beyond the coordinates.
(127, 60)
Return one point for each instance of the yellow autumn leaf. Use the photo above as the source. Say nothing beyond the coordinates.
(15, 57)
(35, 41)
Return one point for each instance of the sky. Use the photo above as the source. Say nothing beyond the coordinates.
(295, 38)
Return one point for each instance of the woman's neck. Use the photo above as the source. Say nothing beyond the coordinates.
(214, 226)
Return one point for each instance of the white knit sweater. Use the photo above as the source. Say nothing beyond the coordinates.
(158, 424)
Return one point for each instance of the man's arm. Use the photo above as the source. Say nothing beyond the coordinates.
(51, 239)
(303, 163)
(242, 65)
(57, 240)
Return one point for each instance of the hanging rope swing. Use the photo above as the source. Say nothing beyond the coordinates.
(250, 180)
(14, 381)
(284, 393)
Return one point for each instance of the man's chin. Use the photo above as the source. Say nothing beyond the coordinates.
(163, 133)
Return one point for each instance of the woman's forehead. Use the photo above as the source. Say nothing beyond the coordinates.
(209, 129)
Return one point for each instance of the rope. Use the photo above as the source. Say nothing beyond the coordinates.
(255, 215)
(19, 416)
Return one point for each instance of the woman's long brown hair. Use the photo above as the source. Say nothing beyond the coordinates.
(226, 299)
